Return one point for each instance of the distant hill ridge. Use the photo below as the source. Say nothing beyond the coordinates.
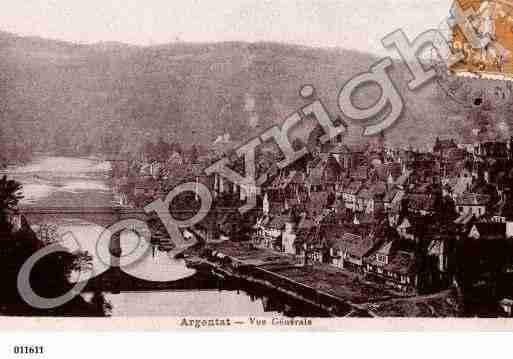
(55, 93)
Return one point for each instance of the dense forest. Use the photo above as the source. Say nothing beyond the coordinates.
(108, 98)
(70, 98)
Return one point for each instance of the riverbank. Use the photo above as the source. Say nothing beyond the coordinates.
(336, 291)
(163, 286)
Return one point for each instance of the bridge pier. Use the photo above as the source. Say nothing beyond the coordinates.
(115, 260)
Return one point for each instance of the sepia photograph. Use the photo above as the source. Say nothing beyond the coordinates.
(244, 165)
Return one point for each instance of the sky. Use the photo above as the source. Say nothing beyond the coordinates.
(352, 24)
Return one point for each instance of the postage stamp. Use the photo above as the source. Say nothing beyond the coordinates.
(256, 165)
(485, 38)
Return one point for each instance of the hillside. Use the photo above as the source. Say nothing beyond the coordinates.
(57, 94)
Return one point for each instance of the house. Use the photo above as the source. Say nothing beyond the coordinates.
(365, 218)
(393, 267)
(472, 203)
(438, 251)
(309, 246)
(389, 172)
(275, 201)
(392, 199)
(363, 199)
(269, 231)
(288, 237)
(293, 185)
(325, 175)
(349, 250)
(378, 191)
(349, 194)
(343, 155)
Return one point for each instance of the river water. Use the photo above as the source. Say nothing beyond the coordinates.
(67, 182)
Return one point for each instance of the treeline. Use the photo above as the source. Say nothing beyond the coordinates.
(50, 276)
(14, 152)
(133, 144)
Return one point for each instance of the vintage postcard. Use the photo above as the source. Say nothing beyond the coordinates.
(238, 165)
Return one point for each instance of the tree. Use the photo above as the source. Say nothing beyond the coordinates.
(9, 194)
(50, 275)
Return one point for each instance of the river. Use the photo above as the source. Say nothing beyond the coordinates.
(67, 182)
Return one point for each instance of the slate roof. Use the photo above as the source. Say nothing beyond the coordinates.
(399, 261)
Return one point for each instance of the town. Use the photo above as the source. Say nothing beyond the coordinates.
(413, 221)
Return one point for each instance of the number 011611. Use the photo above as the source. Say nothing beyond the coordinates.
(28, 349)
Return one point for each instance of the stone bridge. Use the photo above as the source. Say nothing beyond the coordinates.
(102, 216)
(114, 279)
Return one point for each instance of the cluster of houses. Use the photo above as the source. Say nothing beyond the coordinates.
(391, 215)
(139, 180)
